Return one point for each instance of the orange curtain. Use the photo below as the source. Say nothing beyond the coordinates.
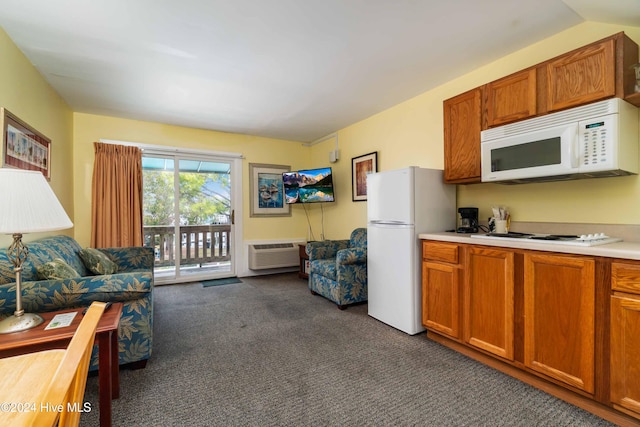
(116, 200)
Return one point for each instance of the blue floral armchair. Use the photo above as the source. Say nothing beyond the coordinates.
(338, 268)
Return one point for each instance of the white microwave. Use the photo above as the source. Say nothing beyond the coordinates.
(594, 140)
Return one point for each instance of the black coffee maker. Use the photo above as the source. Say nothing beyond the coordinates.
(468, 220)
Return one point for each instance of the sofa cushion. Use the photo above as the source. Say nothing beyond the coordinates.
(41, 251)
(97, 262)
(56, 269)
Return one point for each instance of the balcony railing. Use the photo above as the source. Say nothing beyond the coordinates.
(199, 244)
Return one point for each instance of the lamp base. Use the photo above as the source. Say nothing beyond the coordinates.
(19, 323)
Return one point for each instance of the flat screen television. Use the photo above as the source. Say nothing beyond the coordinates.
(308, 186)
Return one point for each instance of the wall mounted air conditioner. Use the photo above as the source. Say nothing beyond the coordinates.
(273, 255)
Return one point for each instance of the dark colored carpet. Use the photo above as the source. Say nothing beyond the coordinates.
(268, 353)
(218, 282)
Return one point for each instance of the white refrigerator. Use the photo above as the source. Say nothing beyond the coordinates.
(400, 205)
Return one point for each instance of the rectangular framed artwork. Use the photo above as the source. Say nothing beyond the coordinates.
(266, 190)
(23, 147)
(360, 167)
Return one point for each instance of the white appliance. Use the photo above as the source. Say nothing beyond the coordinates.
(402, 204)
(594, 140)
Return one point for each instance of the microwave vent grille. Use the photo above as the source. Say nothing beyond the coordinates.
(601, 108)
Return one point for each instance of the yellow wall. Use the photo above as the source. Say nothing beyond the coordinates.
(91, 128)
(411, 134)
(26, 94)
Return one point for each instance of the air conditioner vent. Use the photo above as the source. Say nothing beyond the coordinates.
(273, 255)
(273, 246)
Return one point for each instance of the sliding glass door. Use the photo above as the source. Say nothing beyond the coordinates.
(188, 216)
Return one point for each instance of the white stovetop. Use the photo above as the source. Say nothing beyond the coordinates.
(623, 250)
(577, 242)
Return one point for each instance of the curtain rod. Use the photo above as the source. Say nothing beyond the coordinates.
(169, 149)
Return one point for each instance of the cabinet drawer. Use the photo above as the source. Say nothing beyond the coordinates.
(625, 277)
(440, 251)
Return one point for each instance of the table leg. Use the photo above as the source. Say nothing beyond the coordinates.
(105, 377)
(115, 366)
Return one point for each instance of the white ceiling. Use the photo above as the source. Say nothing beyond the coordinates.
(291, 69)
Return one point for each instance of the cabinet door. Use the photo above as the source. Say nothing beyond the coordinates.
(511, 98)
(488, 301)
(440, 298)
(559, 307)
(625, 352)
(462, 125)
(582, 76)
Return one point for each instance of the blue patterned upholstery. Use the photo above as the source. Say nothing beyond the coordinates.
(132, 285)
(338, 268)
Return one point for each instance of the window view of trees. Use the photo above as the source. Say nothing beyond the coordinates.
(204, 198)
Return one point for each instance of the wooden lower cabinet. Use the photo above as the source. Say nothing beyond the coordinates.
(567, 324)
(625, 352)
(441, 288)
(440, 298)
(489, 301)
(625, 337)
(559, 326)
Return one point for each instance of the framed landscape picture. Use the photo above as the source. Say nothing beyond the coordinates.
(360, 167)
(23, 147)
(266, 190)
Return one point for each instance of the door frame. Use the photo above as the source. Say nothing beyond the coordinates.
(236, 160)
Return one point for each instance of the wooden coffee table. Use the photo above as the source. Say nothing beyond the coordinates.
(38, 339)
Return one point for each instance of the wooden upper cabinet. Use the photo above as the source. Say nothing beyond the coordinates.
(462, 125)
(583, 76)
(511, 98)
(559, 318)
(597, 71)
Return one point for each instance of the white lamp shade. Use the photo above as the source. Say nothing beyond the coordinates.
(28, 204)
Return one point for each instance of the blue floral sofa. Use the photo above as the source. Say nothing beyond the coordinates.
(132, 285)
(338, 268)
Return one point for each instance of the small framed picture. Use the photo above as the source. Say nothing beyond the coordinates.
(23, 146)
(360, 167)
(266, 190)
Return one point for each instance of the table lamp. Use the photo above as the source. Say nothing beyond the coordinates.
(27, 205)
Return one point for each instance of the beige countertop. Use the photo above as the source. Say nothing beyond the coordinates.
(623, 250)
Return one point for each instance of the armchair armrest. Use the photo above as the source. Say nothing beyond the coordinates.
(352, 256)
(133, 258)
(326, 249)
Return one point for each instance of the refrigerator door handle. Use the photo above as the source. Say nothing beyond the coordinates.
(379, 222)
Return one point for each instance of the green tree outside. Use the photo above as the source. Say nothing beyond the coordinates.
(200, 202)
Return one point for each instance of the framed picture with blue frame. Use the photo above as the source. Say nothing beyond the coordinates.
(266, 190)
